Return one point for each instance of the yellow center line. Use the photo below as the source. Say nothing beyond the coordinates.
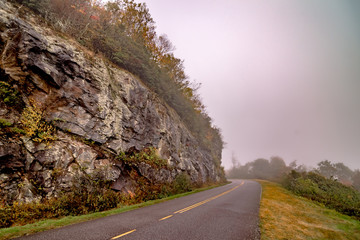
(166, 217)
(187, 208)
(121, 235)
(207, 200)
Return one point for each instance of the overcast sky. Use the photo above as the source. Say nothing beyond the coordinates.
(279, 77)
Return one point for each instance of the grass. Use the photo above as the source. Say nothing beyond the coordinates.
(43, 225)
(284, 215)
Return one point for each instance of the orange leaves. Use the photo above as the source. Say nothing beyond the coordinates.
(82, 11)
(95, 17)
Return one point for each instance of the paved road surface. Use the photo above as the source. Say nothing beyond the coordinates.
(223, 213)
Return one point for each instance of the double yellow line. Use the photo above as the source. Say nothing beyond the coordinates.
(187, 208)
(207, 200)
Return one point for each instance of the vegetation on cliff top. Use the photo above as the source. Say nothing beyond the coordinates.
(124, 32)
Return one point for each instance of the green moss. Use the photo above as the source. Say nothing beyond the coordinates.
(4, 123)
(7, 128)
(18, 130)
(8, 94)
(59, 120)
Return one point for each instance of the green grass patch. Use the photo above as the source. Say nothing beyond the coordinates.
(43, 225)
(283, 215)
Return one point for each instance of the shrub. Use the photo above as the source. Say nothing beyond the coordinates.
(147, 155)
(35, 126)
(182, 183)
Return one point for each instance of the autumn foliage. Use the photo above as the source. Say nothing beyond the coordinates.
(124, 32)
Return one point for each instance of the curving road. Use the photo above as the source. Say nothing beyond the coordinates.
(227, 212)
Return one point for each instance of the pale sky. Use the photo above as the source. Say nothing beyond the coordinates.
(279, 77)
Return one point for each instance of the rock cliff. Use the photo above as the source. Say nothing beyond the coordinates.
(90, 112)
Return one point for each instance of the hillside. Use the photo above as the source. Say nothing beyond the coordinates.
(70, 117)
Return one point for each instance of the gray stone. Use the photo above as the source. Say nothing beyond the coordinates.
(26, 192)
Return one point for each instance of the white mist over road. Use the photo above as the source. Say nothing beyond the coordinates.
(279, 77)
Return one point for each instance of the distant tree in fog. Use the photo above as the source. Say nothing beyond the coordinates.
(343, 173)
(277, 167)
(326, 169)
(261, 169)
(356, 179)
(234, 160)
(299, 168)
(338, 171)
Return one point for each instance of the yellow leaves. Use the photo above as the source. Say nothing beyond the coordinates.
(30, 118)
(35, 127)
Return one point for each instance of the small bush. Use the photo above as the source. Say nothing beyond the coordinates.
(147, 155)
(182, 183)
(35, 126)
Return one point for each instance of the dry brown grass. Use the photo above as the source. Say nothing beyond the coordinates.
(286, 216)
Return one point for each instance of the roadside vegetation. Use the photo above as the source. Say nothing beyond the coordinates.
(18, 230)
(283, 215)
(90, 194)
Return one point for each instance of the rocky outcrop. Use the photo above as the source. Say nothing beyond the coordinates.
(99, 112)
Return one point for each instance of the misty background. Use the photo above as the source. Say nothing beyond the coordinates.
(279, 77)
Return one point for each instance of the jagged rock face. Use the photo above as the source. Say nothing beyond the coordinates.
(90, 101)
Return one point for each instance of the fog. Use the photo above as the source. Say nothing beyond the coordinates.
(279, 77)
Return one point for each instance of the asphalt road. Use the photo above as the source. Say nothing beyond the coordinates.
(227, 212)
